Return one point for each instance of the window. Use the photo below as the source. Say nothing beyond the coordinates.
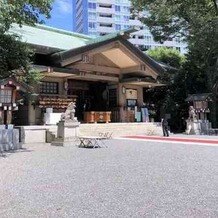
(126, 9)
(92, 15)
(118, 27)
(49, 88)
(103, 34)
(126, 18)
(105, 15)
(106, 24)
(92, 25)
(92, 5)
(117, 8)
(105, 6)
(117, 18)
(5, 96)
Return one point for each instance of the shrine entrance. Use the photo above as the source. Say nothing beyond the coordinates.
(90, 96)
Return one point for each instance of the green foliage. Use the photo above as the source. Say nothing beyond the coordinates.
(196, 22)
(13, 55)
(23, 12)
(32, 77)
(169, 18)
(168, 56)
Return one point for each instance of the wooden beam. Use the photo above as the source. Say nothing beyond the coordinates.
(93, 77)
(72, 60)
(96, 68)
(140, 68)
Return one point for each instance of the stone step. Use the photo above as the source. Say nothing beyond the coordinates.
(118, 129)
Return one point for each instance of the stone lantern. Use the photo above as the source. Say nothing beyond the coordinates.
(199, 103)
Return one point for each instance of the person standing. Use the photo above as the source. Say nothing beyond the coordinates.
(164, 124)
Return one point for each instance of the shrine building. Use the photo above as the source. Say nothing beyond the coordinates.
(105, 76)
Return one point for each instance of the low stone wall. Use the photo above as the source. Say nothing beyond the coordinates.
(9, 139)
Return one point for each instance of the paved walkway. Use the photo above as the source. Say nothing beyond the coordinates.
(127, 179)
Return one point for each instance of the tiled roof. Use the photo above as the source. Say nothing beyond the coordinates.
(199, 97)
(41, 35)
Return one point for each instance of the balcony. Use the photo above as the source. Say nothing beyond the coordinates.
(104, 29)
(106, 10)
(112, 2)
(105, 20)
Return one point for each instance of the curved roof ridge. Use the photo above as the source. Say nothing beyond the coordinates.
(62, 31)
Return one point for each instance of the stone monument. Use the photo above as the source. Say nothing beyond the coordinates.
(193, 125)
(68, 127)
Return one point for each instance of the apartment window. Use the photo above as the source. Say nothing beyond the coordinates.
(105, 6)
(126, 18)
(92, 15)
(118, 27)
(106, 24)
(105, 15)
(5, 96)
(142, 47)
(92, 5)
(117, 17)
(178, 49)
(92, 25)
(148, 38)
(117, 8)
(49, 88)
(102, 34)
(148, 47)
(126, 9)
(140, 37)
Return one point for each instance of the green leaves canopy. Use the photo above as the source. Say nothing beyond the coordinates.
(15, 55)
(169, 18)
(168, 56)
(23, 12)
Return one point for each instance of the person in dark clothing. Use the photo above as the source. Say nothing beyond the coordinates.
(164, 124)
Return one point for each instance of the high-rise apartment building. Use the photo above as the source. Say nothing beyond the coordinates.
(100, 17)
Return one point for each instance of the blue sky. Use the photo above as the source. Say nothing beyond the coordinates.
(61, 15)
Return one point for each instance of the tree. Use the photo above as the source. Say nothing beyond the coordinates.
(23, 12)
(170, 98)
(14, 54)
(194, 21)
(169, 56)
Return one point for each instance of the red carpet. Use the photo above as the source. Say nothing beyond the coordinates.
(175, 139)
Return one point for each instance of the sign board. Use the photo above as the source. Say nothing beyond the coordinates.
(131, 94)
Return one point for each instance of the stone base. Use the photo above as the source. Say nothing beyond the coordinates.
(57, 142)
(193, 128)
(63, 142)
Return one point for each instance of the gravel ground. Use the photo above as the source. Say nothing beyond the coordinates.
(127, 179)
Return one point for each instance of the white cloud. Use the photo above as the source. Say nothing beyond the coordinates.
(64, 6)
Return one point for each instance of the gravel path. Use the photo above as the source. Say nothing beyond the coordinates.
(127, 179)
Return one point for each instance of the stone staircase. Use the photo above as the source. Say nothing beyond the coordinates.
(41, 134)
(121, 129)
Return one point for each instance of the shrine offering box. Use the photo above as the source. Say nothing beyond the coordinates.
(97, 117)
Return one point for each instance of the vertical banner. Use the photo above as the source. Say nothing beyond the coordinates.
(145, 115)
